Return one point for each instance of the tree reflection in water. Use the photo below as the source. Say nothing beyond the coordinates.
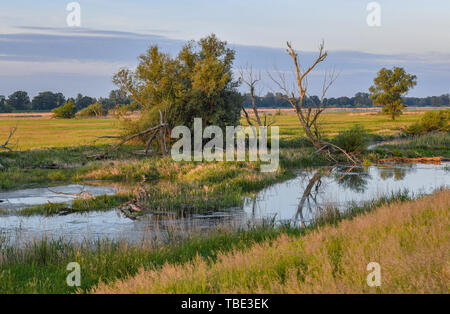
(354, 178)
(310, 193)
(397, 173)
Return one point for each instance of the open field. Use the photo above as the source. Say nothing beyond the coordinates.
(42, 132)
(410, 241)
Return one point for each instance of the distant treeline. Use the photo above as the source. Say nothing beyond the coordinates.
(47, 101)
(360, 100)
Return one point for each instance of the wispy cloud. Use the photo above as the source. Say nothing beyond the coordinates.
(89, 55)
(87, 68)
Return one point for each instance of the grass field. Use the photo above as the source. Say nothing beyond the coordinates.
(35, 133)
(410, 241)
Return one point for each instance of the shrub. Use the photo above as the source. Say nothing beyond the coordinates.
(94, 110)
(431, 121)
(353, 140)
(66, 111)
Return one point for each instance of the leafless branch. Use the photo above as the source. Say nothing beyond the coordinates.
(250, 78)
(309, 117)
(12, 130)
(124, 139)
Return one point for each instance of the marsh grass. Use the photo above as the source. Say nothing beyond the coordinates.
(34, 167)
(410, 240)
(81, 205)
(426, 145)
(178, 186)
(40, 267)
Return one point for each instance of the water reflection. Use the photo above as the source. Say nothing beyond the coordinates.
(398, 173)
(312, 191)
(310, 194)
(354, 178)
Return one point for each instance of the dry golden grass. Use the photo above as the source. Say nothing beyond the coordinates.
(410, 241)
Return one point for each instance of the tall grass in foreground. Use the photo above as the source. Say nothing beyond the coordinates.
(411, 242)
(40, 267)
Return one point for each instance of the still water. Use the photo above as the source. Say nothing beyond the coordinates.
(295, 200)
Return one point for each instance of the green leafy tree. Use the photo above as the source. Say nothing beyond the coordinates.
(84, 101)
(4, 107)
(48, 101)
(19, 100)
(66, 111)
(198, 82)
(119, 97)
(388, 89)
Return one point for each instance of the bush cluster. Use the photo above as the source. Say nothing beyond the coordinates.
(430, 122)
(353, 140)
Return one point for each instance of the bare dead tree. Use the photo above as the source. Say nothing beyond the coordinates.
(296, 93)
(6, 146)
(251, 79)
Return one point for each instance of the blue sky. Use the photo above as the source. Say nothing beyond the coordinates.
(38, 51)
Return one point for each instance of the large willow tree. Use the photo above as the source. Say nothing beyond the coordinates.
(198, 82)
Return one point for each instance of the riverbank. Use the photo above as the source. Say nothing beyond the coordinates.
(410, 242)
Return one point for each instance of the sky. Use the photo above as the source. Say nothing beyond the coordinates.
(40, 51)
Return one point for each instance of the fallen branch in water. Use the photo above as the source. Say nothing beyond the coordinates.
(130, 209)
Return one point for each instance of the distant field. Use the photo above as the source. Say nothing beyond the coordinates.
(332, 123)
(37, 130)
(43, 132)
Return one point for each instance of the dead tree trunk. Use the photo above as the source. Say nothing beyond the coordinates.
(249, 78)
(308, 117)
(6, 146)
